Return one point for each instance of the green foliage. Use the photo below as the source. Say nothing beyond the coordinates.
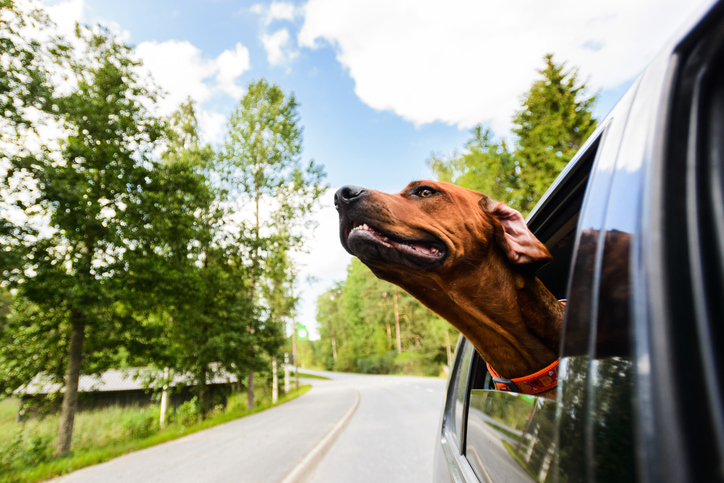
(24, 85)
(554, 121)
(24, 451)
(486, 165)
(187, 413)
(26, 448)
(262, 169)
(357, 324)
(141, 423)
(132, 247)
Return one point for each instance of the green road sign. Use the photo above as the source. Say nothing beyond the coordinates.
(302, 332)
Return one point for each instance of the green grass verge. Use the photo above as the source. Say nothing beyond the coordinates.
(84, 458)
(310, 376)
(519, 460)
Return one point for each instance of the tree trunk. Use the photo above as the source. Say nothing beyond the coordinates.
(250, 387)
(448, 349)
(334, 348)
(70, 397)
(397, 323)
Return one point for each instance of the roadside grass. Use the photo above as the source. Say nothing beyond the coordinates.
(101, 435)
(309, 376)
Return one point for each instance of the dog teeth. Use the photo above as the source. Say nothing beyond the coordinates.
(361, 227)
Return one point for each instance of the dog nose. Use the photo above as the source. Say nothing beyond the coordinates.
(347, 194)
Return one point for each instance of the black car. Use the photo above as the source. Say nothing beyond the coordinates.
(636, 227)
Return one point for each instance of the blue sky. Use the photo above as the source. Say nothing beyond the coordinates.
(381, 83)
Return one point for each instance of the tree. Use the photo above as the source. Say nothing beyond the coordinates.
(69, 278)
(25, 62)
(369, 325)
(261, 163)
(486, 165)
(186, 273)
(555, 120)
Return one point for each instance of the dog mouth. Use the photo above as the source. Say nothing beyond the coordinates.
(367, 242)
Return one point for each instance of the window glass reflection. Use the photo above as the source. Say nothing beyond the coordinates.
(612, 420)
(459, 392)
(510, 437)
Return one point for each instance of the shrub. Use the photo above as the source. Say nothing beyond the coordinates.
(141, 422)
(236, 402)
(188, 413)
(21, 452)
(376, 364)
(416, 363)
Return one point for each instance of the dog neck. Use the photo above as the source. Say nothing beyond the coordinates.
(511, 318)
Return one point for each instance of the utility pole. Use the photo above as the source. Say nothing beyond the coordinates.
(286, 373)
(164, 399)
(294, 354)
(275, 384)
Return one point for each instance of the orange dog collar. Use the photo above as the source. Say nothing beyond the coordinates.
(540, 381)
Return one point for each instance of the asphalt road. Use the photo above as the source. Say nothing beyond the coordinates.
(390, 437)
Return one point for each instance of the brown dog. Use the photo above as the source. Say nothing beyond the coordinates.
(467, 258)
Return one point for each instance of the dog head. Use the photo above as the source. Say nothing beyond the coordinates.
(432, 227)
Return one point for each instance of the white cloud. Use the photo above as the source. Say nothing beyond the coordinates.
(280, 51)
(180, 69)
(276, 11)
(467, 61)
(211, 125)
(276, 46)
(65, 15)
(231, 64)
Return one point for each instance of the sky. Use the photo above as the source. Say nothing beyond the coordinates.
(381, 84)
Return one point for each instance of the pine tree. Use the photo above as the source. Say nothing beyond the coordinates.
(555, 120)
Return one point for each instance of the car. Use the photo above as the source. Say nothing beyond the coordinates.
(635, 223)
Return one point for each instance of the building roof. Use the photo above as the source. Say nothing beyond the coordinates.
(134, 379)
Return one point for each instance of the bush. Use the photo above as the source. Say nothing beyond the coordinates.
(21, 452)
(236, 402)
(384, 364)
(188, 413)
(416, 363)
(142, 422)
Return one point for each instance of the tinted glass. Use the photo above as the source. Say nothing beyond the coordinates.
(612, 420)
(510, 436)
(459, 392)
(572, 405)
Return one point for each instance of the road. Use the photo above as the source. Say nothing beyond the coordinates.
(389, 437)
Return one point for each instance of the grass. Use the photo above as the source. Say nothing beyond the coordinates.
(102, 435)
(309, 376)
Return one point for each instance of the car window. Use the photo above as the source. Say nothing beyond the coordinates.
(458, 394)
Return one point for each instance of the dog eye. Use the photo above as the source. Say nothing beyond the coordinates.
(425, 192)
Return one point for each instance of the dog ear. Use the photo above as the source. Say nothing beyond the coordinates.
(517, 241)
